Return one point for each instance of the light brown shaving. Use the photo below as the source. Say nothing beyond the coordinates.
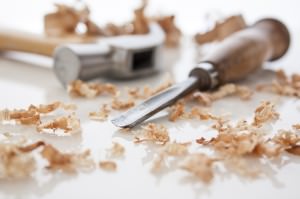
(222, 29)
(283, 85)
(79, 88)
(108, 165)
(69, 124)
(154, 133)
(66, 162)
(102, 114)
(199, 165)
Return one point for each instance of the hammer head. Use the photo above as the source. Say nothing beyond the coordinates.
(121, 57)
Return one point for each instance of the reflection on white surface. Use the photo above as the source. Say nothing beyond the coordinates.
(24, 84)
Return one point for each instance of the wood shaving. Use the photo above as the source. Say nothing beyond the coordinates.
(16, 160)
(69, 124)
(79, 88)
(117, 150)
(201, 114)
(148, 91)
(66, 162)
(173, 149)
(199, 165)
(222, 29)
(173, 33)
(66, 19)
(140, 22)
(154, 133)
(265, 112)
(231, 89)
(283, 85)
(32, 115)
(117, 104)
(108, 165)
(102, 114)
(296, 126)
(177, 111)
(61, 22)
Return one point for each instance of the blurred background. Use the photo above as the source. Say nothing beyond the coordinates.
(191, 15)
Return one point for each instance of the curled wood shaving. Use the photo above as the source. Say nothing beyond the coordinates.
(117, 150)
(79, 88)
(108, 165)
(265, 112)
(154, 133)
(66, 162)
(32, 115)
(17, 161)
(173, 149)
(140, 22)
(296, 126)
(177, 111)
(207, 98)
(173, 33)
(66, 19)
(283, 85)
(199, 165)
(148, 91)
(222, 30)
(101, 115)
(117, 104)
(199, 113)
(231, 89)
(70, 124)
(61, 22)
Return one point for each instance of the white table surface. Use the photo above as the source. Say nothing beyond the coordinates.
(23, 83)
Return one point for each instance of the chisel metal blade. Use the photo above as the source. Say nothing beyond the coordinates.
(156, 103)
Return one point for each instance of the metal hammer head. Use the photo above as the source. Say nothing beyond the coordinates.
(120, 57)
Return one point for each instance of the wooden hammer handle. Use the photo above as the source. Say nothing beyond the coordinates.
(247, 50)
(26, 42)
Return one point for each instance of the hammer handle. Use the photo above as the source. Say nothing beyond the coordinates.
(247, 50)
(26, 42)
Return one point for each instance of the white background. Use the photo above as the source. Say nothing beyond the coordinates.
(22, 84)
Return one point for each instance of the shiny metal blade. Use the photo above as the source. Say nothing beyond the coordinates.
(156, 103)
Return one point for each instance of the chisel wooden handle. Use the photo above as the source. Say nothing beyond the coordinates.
(247, 50)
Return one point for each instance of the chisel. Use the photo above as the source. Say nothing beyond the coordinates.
(234, 58)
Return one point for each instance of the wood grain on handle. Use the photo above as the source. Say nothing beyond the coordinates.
(247, 50)
(26, 42)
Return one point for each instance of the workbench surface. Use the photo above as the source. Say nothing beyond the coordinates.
(33, 82)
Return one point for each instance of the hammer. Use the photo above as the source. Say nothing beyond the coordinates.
(122, 57)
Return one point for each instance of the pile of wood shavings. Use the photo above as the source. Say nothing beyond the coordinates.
(283, 85)
(79, 88)
(66, 19)
(154, 133)
(18, 160)
(102, 114)
(67, 162)
(33, 116)
(116, 151)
